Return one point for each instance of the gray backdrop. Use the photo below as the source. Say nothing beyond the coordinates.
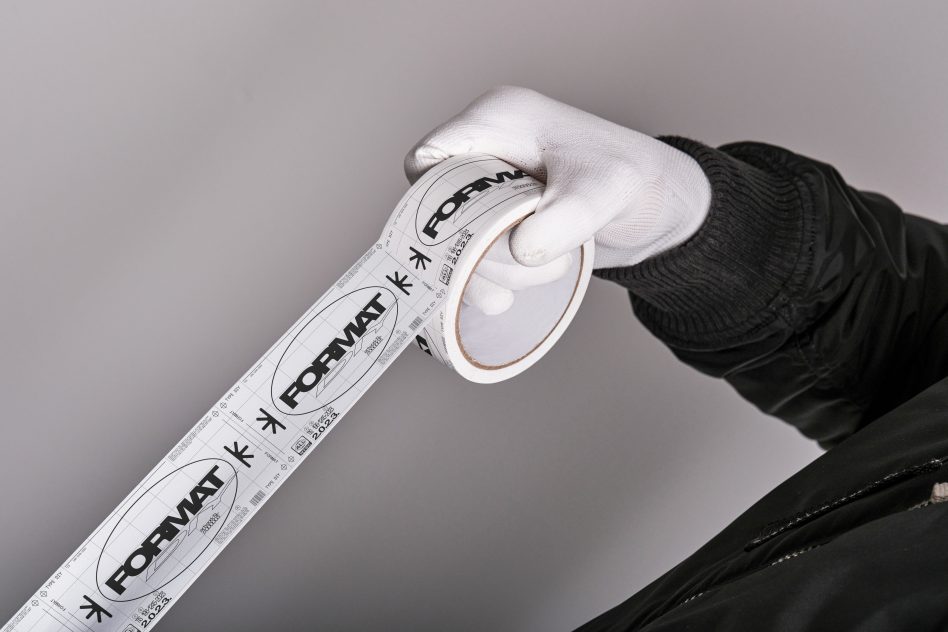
(179, 181)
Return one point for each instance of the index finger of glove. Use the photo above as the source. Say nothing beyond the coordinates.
(499, 123)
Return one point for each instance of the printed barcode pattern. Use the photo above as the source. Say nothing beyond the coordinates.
(257, 498)
(415, 323)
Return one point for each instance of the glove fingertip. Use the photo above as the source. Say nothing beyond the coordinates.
(488, 297)
(533, 244)
(496, 304)
(422, 158)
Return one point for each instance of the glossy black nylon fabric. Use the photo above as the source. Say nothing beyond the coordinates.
(826, 307)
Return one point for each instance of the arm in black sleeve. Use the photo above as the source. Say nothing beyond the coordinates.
(822, 305)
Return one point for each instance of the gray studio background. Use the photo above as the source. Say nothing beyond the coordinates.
(179, 181)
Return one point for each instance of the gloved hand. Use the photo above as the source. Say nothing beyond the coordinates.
(635, 194)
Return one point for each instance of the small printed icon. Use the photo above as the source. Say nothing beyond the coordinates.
(242, 454)
(401, 282)
(423, 344)
(94, 609)
(302, 445)
(131, 628)
(445, 276)
(271, 422)
(420, 259)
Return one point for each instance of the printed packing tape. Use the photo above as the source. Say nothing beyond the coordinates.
(406, 288)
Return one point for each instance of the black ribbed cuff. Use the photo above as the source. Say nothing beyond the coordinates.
(737, 274)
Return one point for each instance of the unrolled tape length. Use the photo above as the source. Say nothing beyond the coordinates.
(406, 288)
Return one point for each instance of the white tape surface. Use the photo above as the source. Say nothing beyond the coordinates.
(406, 288)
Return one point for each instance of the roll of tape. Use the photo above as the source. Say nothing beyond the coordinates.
(445, 207)
(407, 287)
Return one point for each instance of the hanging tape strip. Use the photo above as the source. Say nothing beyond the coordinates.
(406, 288)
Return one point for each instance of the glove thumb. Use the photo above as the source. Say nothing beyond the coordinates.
(560, 224)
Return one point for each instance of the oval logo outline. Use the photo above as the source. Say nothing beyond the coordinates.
(428, 241)
(210, 540)
(377, 352)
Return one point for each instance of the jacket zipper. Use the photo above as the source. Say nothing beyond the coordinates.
(939, 495)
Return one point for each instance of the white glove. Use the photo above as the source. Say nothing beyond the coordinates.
(635, 194)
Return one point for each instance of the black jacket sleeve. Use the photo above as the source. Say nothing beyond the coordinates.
(822, 305)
